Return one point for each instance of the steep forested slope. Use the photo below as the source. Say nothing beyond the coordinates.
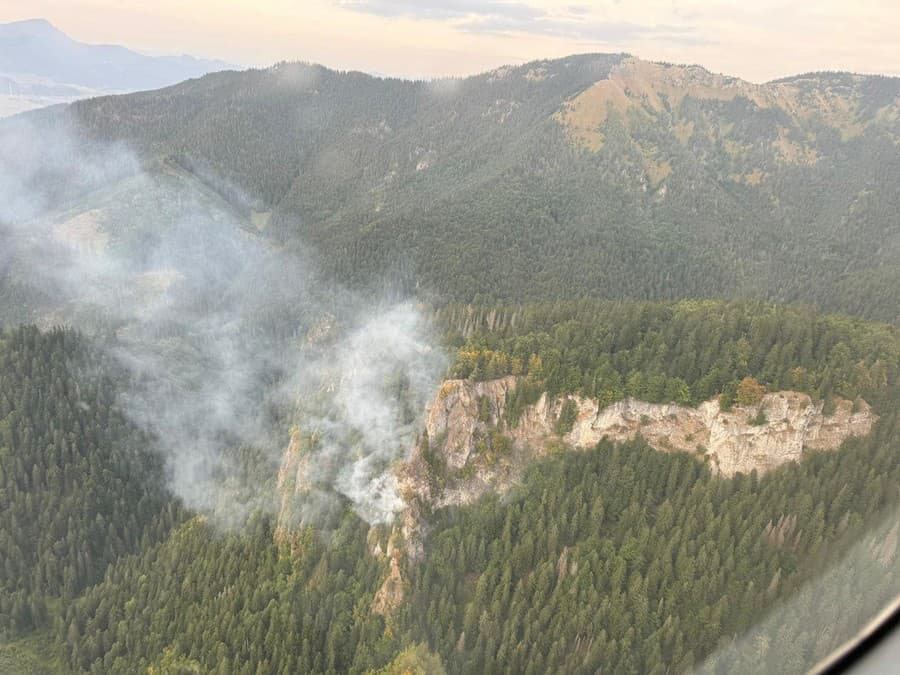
(79, 486)
(635, 561)
(598, 176)
(581, 567)
(680, 352)
(618, 555)
(563, 182)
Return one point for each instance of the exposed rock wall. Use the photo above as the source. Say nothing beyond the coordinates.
(390, 595)
(728, 440)
(293, 482)
(458, 460)
(453, 417)
(467, 450)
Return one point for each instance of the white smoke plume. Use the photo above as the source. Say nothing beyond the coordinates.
(211, 321)
(377, 377)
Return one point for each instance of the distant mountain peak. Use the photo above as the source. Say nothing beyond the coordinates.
(32, 28)
(31, 23)
(36, 49)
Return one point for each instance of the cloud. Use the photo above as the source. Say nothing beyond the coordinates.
(443, 9)
(496, 17)
(584, 31)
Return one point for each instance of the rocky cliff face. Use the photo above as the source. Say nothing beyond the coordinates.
(730, 441)
(393, 589)
(469, 450)
(454, 416)
(293, 482)
(463, 454)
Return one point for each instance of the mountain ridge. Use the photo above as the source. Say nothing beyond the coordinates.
(593, 175)
(35, 48)
(279, 267)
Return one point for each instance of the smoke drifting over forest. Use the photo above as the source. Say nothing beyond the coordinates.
(218, 330)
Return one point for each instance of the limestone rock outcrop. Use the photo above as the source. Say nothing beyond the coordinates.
(461, 456)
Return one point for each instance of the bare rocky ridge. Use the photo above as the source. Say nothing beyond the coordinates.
(458, 460)
(729, 440)
(649, 88)
(636, 91)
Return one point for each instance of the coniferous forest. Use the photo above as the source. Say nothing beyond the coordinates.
(619, 557)
(699, 249)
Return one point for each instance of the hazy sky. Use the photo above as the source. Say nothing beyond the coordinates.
(754, 39)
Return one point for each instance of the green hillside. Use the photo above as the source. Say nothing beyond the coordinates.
(223, 303)
(598, 176)
(662, 562)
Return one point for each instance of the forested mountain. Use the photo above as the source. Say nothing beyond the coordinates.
(594, 175)
(618, 557)
(225, 303)
(40, 65)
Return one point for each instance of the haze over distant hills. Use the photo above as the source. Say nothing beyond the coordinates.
(40, 65)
